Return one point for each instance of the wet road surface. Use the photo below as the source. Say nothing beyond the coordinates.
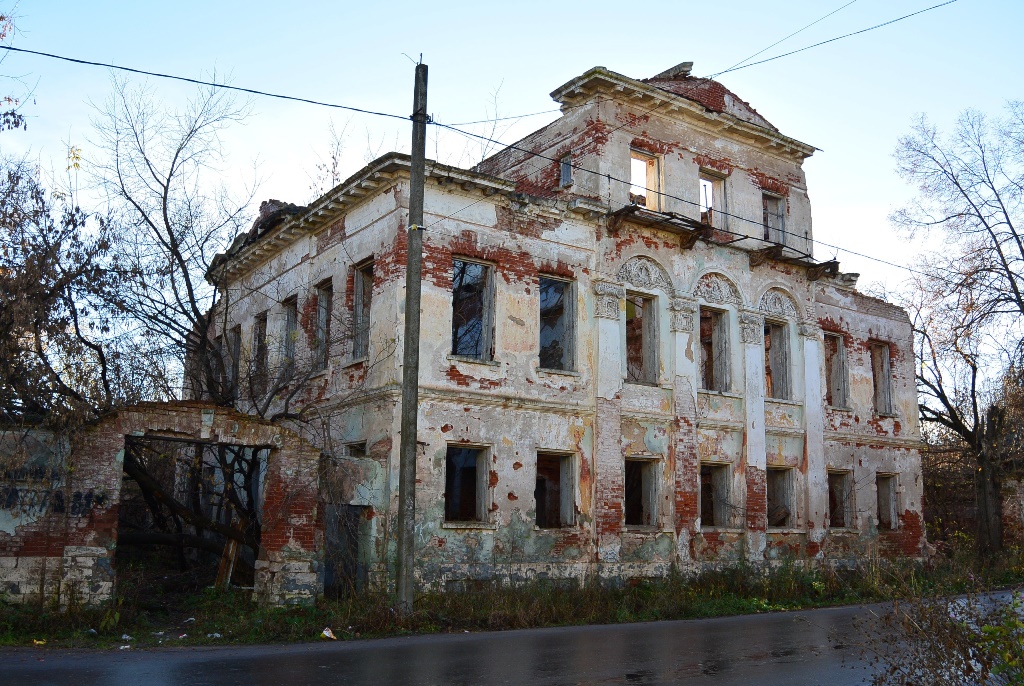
(811, 648)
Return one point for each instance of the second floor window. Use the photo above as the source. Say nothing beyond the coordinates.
(259, 354)
(324, 310)
(776, 361)
(712, 200)
(557, 332)
(714, 350)
(835, 372)
(643, 180)
(291, 329)
(472, 317)
(641, 340)
(880, 378)
(362, 296)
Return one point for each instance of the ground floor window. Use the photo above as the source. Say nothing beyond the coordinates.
(554, 491)
(714, 495)
(641, 501)
(465, 485)
(840, 497)
(780, 498)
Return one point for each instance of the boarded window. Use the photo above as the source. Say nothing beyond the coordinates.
(641, 340)
(840, 499)
(324, 311)
(835, 372)
(291, 330)
(714, 495)
(643, 180)
(471, 310)
(780, 502)
(712, 200)
(776, 361)
(714, 350)
(880, 377)
(554, 491)
(259, 348)
(773, 213)
(641, 494)
(557, 324)
(565, 171)
(362, 298)
(885, 491)
(465, 485)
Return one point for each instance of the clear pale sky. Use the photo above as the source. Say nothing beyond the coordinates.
(852, 98)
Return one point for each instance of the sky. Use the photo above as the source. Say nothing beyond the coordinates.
(851, 98)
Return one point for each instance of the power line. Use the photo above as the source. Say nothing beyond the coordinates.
(783, 40)
(200, 82)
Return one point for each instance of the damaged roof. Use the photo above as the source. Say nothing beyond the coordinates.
(711, 94)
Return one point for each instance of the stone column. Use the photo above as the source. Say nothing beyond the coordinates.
(814, 441)
(752, 342)
(687, 462)
(609, 467)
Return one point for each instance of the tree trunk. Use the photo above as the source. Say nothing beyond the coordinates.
(988, 485)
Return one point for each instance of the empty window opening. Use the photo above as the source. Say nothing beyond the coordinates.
(840, 498)
(259, 354)
(324, 310)
(234, 352)
(557, 324)
(714, 495)
(554, 492)
(471, 310)
(714, 350)
(641, 340)
(361, 301)
(880, 377)
(465, 485)
(641, 502)
(776, 361)
(291, 329)
(565, 171)
(774, 214)
(643, 176)
(355, 449)
(835, 371)
(885, 490)
(780, 503)
(712, 200)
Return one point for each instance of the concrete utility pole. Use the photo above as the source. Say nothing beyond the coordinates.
(404, 583)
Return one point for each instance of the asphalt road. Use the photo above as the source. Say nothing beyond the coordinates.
(811, 648)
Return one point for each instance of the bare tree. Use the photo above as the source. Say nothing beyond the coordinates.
(967, 304)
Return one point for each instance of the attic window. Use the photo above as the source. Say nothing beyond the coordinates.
(643, 180)
(773, 216)
(712, 200)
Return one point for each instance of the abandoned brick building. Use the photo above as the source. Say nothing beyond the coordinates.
(629, 358)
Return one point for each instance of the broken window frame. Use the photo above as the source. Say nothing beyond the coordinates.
(713, 338)
(837, 393)
(779, 493)
(478, 485)
(362, 299)
(774, 222)
(777, 373)
(881, 378)
(713, 208)
(840, 499)
(715, 480)
(234, 353)
(484, 348)
(650, 191)
(641, 491)
(568, 322)
(566, 491)
(260, 345)
(886, 510)
(322, 334)
(565, 171)
(643, 369)
(290, 335)
(354, 449)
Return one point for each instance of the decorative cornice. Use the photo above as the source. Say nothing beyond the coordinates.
(716, 288)
(777, 302)
(643, 272)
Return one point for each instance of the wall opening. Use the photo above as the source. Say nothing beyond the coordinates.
(712, 200)
(776, 361)
(643, 177)
(773, 213)
(641, 339)
(836, 393)
(880, 378)
(557, 324)
(714, 350)
(840, 499)
(465, 485)
(641, 501)
(472, 305)
(885, 491)
(780, 497)
(714, 494)
(554, 491)
(362, 299)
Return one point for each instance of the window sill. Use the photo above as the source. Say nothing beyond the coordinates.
(724, 394)
(785, 530)
(722, 529)
(842, 530)
(474, 360)
(544, 371)
(649, 384)
(784, 401)
(644, 530)
(886, 415)
(567, 528)
(354, 361)
(469, 525)
(839, 408)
